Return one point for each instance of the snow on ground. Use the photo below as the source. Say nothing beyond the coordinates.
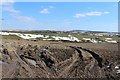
(47, 37)
(33, 36)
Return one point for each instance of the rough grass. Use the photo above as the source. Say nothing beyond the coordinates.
(10, 37)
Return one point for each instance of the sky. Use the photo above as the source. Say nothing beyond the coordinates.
(93, 16)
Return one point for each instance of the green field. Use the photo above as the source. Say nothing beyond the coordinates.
(10, 37)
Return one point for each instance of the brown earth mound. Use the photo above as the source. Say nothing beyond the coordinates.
(28, 59)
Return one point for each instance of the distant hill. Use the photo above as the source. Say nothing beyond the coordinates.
(93, 31)
(61, 31)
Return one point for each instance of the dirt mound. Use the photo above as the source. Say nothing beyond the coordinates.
(28, 60)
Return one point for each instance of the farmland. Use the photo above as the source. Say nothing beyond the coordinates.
(88, 59)
(60, 35)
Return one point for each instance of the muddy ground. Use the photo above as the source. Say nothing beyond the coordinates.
(27, 59)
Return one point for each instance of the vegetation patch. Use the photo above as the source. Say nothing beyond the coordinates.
(11, 37)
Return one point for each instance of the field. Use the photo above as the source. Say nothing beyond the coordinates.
(59, 40)
(14, 37)
(52, 33)
(39, 32)
(21, 59)
(89, 36)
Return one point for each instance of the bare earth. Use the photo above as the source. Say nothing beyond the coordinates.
(20, 59)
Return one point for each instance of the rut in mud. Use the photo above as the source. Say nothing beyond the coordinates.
(23, 61)
(95, 55)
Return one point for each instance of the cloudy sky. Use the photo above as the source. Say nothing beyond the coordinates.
(100, 16)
